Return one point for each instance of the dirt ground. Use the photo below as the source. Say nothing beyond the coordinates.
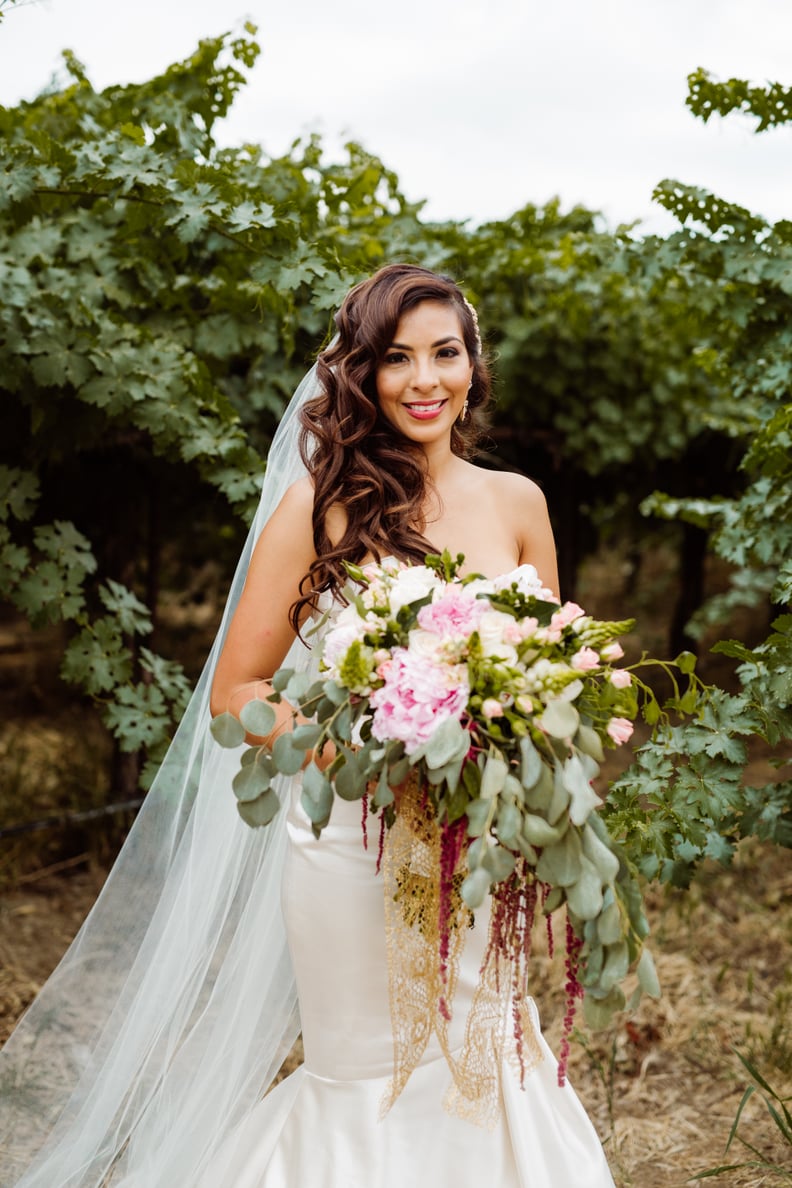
(663, 1086)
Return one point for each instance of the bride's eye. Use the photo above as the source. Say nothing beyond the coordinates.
(394, 357)
(448, 352)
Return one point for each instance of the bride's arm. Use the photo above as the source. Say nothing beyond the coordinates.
(533, 531)
(260, 633)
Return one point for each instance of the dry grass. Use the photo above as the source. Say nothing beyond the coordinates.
(664, 1084)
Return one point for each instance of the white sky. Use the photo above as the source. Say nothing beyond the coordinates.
(479, 105)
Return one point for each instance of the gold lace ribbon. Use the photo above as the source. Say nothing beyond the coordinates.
(411, 867)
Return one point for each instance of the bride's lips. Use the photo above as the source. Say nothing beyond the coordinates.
(425, 410)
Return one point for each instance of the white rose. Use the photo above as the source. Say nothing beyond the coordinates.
(410, 585)
(493, 626)
(424, 644)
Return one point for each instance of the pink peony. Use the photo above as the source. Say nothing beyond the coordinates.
(416, 697)
(620, 730)
(585, 660)
(620, 678)
(455, 613)
(566, 615)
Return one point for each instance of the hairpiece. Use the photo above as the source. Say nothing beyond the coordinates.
(474, 316)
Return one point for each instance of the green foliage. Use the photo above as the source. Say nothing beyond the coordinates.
(782, 1119)
(692, 777)
(160, 297)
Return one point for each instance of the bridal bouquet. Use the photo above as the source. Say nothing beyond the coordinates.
(473, 712)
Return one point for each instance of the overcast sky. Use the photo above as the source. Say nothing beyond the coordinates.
(479, 105)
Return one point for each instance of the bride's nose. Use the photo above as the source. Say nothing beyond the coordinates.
(424, 376)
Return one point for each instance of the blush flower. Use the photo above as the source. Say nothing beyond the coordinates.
(491, 708)
(613, 651)
(620, 730)
(566, 615)
(455, 613)
(585, 660)
(416, 697)
(620, 678)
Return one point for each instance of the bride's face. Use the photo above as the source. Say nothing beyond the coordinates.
(425, 374)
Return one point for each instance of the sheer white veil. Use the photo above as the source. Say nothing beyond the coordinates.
(174, 1007)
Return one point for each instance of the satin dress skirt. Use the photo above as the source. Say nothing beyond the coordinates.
(322, 1126)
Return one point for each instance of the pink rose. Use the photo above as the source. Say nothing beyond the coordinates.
(620, 730)
(491, 708)
(566, 615)
(585, 660)
(613, 651)
(620, 678)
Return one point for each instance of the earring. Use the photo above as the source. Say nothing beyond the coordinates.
(464, 413)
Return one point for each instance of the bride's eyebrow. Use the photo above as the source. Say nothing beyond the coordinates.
(400, 346)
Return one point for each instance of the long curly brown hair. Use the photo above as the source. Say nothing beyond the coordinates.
(358, 460)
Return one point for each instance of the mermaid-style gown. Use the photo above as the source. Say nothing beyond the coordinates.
(322, 1126)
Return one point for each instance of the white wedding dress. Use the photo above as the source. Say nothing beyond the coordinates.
(322, 1126)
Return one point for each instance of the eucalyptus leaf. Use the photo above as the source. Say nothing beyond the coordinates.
(596, 851)
(560, 719)
(317, 795)
(227, 730)
(479, 816)
(281, 679)
(350, 782)
(584, 896)
(383, 796)
(527, 850)
(287, 758)
(508, 823)
(335, 693)
(342, 726)
(589, 742)
(610, 929)
(307, 734)
(513, 789)
(531, 763)
(559, 801)
(250, 782)
(617, 963)
(251, 754)
(325, 709)
(398, 772)
(560, 865)
(449, 741)
(594, 964)
(583, 798)
(499, 862)
(540, 796)
(539, 832)
(599, 1012)
(647, 974)
(297, 687)
(554, 900)
(258, 717)
(260, 811)
(475, 887)
(493, 777)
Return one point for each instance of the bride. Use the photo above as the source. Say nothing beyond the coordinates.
(145, 1058)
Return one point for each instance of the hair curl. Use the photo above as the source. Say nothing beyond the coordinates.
(358, 460)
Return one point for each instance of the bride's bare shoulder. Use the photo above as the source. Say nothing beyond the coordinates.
(512, 490)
